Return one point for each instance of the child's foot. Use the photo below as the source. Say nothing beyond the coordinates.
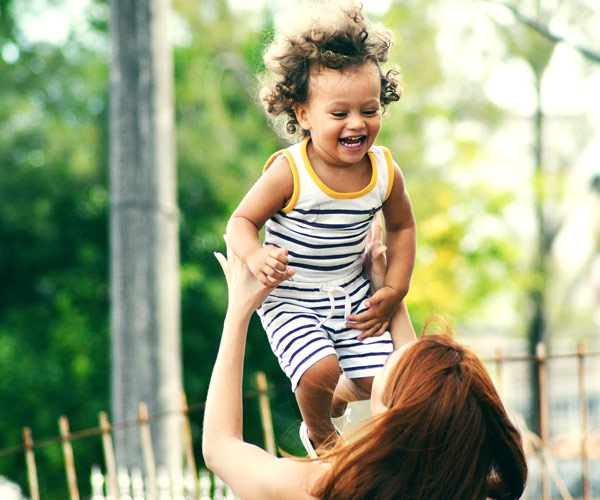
(342, 422)
(308, 444)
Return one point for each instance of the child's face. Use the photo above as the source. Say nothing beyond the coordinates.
(342, 113)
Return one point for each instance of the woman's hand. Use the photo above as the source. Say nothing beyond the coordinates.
(374, 259)
(244, 289)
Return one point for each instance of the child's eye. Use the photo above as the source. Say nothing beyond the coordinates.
(370, 112)
(338, 114)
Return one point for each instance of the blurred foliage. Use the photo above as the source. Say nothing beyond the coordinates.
(54, 305)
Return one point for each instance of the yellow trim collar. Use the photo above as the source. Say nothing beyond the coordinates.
(330, 192)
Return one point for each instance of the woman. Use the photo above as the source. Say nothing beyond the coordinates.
(438, 431)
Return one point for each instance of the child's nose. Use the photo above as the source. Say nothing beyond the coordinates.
(356, 121)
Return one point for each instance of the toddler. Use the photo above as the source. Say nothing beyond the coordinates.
(318, 200)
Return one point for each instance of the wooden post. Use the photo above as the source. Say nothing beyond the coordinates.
(585, 462)
(147, 451)
(265, 413)
(65, 435)
(34, 489)
(541, 358)
(112, 485)
(188, 444)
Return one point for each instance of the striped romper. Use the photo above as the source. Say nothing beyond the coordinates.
(324, 233)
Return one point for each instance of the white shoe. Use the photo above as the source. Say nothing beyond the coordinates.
(308, 446)
(342, 423)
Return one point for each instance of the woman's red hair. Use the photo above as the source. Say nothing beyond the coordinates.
(445, 435)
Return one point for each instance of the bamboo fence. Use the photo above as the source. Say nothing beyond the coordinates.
(154, 483)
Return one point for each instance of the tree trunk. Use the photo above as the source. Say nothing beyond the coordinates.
(537, 294)
(145, 301)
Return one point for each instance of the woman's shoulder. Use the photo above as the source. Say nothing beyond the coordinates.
(294, 479)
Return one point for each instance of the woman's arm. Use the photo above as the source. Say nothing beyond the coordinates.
(251, 472)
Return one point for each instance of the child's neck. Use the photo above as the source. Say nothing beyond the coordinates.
(341, 178)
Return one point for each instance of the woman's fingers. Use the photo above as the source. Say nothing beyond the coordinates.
(224, 264)
(378, 252)
(377, 230)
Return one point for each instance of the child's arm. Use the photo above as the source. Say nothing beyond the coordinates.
(268, 195)
(375, 264)
(400, 243)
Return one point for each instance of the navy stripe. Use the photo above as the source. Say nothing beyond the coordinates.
(360, 344)
(359, 241)
(344, 227)
(339, 256)
(308, 357)
(355, 368)
(314, 236)
(301, 336)
(317, 211)
(298, 301)
(364, 355)
(301, 348)
(321, 268)
(291, 319)
(291, 332)
(263, 308)
(280, 313)
(283, 287)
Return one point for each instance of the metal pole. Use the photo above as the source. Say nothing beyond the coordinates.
(65, 435)
(543, 399)
(585, 463)
(109, 457)
(265, 413)
(34, 489)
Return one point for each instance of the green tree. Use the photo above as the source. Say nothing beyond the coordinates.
(530, 40)
(53, 201)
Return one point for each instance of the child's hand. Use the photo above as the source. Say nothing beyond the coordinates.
(375, 320)
(245, 292)
(270, 265)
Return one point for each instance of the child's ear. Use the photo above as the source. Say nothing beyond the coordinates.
(302, 116)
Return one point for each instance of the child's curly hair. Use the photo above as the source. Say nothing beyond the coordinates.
(329, 34)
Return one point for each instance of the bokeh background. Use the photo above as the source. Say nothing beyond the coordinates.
(497, 133)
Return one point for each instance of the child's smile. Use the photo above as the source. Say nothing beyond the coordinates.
(353, 143)
(342, 114)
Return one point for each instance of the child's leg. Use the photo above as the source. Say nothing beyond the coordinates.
(314, 395)
(348, 390)
(358, 389)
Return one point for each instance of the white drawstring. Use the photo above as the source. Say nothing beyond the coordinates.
(347, 305)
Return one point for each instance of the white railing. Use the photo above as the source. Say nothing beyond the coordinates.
(133, 486)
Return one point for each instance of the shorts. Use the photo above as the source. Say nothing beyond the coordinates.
(305, 323)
